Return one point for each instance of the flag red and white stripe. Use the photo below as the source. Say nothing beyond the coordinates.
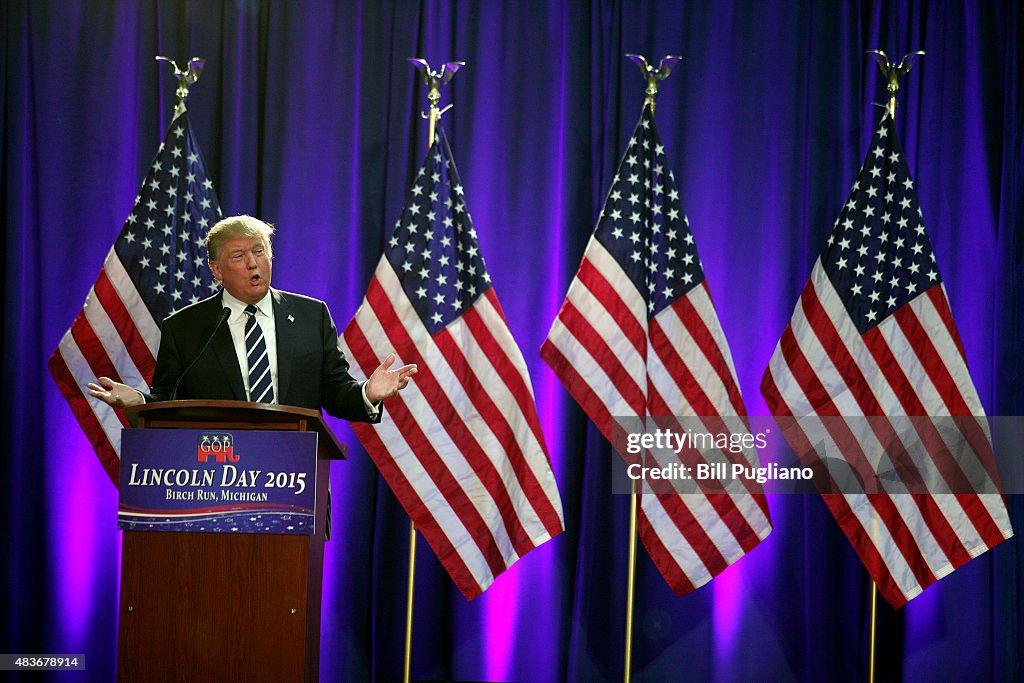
(155, 265)
(872, 335)
(461, 446)
(638, 336)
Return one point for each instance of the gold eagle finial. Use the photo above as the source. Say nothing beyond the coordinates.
(653, 75)
(186, 77)
(892, 72)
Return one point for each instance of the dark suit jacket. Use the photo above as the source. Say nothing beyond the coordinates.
(311, 370)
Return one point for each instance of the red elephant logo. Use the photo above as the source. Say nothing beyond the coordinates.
(218, 445)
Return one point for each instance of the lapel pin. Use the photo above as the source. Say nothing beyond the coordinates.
(291, 318)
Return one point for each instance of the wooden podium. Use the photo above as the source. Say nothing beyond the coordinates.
(225, 606)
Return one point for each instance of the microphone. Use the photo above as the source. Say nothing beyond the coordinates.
(224, 314)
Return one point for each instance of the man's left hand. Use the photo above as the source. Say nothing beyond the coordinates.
(385, 383)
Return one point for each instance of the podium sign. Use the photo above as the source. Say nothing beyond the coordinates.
(236, 481)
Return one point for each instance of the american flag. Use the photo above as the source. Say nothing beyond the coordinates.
(462, 450)
(638, 336)
(873, 335)
(156, 265)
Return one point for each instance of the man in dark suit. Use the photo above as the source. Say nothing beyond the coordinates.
(251, 342)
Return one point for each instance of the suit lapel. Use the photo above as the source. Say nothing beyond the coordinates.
(224, 350)
(286, 348)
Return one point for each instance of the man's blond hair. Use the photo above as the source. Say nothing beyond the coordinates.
(234, 227)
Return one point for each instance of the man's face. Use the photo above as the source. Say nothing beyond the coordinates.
(243, 267)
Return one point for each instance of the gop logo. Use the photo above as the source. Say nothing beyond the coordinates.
(218, 445)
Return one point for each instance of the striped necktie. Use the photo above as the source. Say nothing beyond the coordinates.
(261, 389)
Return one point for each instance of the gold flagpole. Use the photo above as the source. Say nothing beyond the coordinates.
(892, 72)
(434, 81)
(407, 659)
(630, 583)
(871, 648)
(652, 76)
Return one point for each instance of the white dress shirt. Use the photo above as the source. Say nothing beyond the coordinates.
(236, 324)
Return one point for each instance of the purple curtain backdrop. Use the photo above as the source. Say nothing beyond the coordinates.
(308, 114)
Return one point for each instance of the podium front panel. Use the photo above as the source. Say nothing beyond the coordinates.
(235, 595)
